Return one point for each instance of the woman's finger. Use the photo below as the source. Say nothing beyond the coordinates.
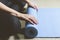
(29, 20)
(33, 19)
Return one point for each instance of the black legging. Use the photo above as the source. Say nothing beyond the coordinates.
(9, 24)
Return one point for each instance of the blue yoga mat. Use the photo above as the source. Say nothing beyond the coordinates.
(49, 23)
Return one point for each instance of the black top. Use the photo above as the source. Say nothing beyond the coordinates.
(2, 1)
(15, 4)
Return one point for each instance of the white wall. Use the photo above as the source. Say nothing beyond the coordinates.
(47, 3)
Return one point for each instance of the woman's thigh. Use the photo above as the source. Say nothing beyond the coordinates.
(9, 24)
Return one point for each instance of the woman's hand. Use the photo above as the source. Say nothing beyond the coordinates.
(28, 18)
(31, 4)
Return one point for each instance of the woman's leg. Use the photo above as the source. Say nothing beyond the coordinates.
(9, 25)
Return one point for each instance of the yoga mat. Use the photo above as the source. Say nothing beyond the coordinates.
(49, 22)
(31, 30)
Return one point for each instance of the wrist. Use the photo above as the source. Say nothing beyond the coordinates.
(19, 15)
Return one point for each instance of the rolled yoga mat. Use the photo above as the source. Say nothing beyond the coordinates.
(48, 23)
(31, 30)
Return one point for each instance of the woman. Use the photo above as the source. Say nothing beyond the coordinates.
(8, 16)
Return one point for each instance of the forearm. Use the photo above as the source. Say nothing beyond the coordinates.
(5, 8)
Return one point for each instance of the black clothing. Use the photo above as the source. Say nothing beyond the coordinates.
(9, 24)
